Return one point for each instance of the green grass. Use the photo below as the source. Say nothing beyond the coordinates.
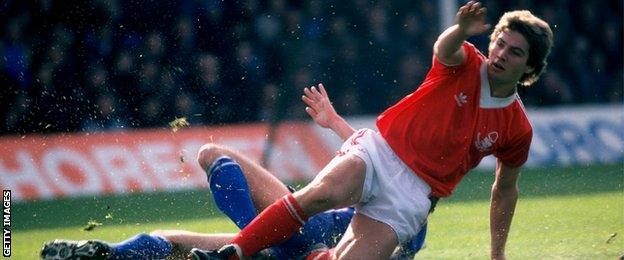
(563, 213)
(558, 227)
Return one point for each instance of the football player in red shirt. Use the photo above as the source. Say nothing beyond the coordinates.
(466, 108)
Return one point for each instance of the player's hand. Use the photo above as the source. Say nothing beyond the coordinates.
(319, 106)
(471, 19)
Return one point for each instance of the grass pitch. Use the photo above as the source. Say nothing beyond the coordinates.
(563, 213)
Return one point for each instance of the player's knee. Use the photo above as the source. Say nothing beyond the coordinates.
(168, 235)
(142, 235)
(208, 153)
(159, 232)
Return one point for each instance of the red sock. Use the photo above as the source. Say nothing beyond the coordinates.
(278, 222)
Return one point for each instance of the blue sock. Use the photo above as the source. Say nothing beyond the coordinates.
(230, 191)
(231, 194)
(142, 246)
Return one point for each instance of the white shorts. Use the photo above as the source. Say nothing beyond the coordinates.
(392, 192)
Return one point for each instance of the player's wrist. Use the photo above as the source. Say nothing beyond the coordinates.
(459, 33)
(335, 121)
(463, 32)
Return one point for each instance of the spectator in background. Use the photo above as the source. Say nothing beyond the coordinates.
(557, 91)
(186, 105)
(249, 73)
(184, 38)
(149, 75)
(109, 115)
(268, 103)
(16, 117)
(152, 111)
(16, 53)
(211, 91)
(154, 46)
(125, 82)
(597, 77)
(410, 70)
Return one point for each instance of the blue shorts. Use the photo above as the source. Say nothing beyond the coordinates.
(326, 228)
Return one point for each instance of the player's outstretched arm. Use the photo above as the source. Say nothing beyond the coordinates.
(470, 21)
(319, 107)
(502, 206)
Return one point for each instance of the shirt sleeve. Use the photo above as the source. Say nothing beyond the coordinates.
(472, 56)
(516, 153)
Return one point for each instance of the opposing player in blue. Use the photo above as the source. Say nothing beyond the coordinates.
(241, 188)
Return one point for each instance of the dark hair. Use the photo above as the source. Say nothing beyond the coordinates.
(538, 35)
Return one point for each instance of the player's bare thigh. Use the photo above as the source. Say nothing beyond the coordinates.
(366, 238)
(338, 185)
(265, 188)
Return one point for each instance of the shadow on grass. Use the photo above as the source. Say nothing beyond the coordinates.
(185, 205)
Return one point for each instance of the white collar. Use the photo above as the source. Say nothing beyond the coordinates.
(488, 101)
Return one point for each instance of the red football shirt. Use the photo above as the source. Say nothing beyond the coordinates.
(444, 128)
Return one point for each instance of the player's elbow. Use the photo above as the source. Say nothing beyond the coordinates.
(447, 57)
(447, 53)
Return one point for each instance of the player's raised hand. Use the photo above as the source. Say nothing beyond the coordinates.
(471, 19)
(319, 106)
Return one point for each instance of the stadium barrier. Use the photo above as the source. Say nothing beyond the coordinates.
(49, 166)
(79, 164)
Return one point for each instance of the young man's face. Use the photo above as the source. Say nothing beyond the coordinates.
(508, 55)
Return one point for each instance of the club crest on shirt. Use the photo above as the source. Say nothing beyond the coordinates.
(485, 144)
(461, 99)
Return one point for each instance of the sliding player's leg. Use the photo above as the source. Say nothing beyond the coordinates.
(141, 246)
(263, 186)
(230, 191)
(231, 186)
(230, 182)
(338, 185)
(238, 193)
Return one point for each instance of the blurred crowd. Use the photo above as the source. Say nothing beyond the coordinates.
(110, 64)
